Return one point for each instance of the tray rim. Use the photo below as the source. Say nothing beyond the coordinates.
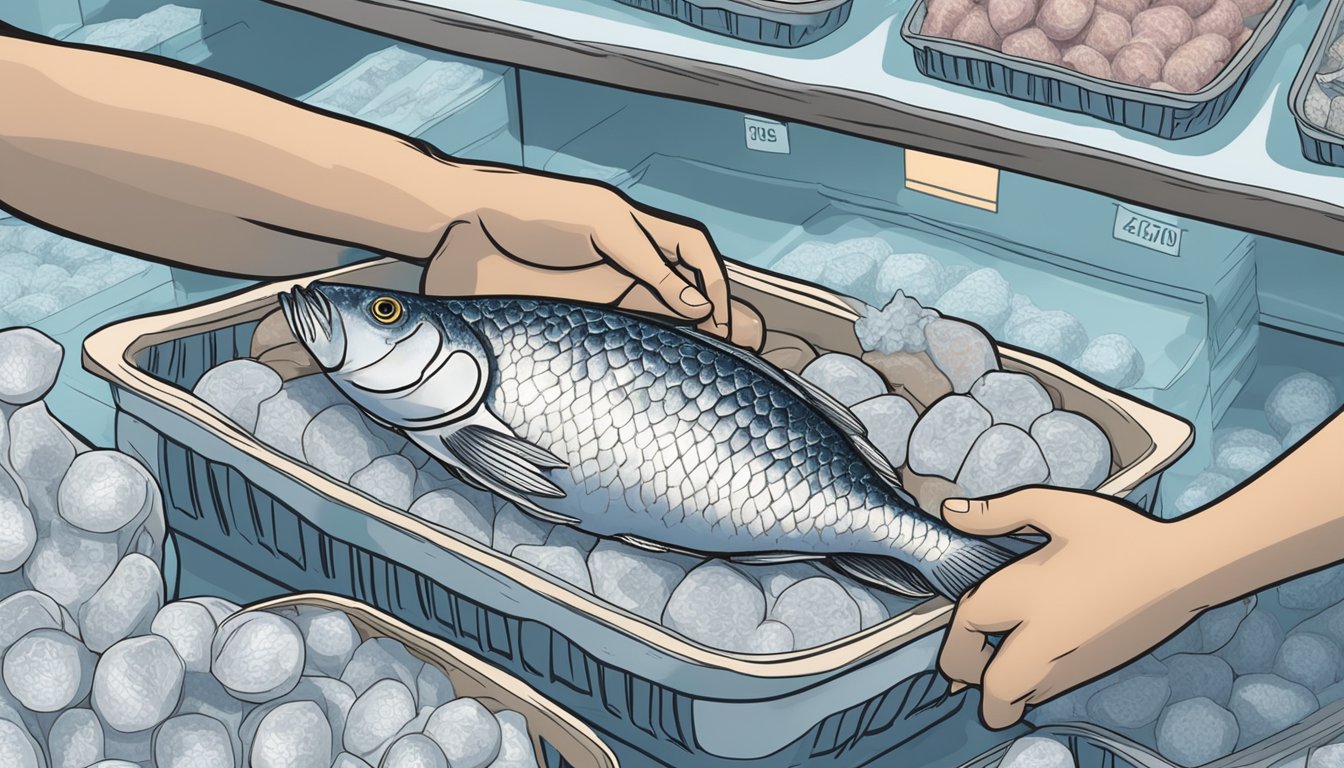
(109, 354)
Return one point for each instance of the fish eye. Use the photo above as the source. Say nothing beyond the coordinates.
(386, 310)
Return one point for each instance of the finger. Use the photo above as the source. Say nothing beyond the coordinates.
(632, 249)
(693, 247)
(1043, 509)
(966, 649)
(1014, 675)
(748, 328)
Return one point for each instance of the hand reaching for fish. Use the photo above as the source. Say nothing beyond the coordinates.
(1106, 588)
(535, 235)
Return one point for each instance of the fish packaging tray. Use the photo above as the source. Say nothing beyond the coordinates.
(559, 739)
(1168, 115)
(249, 512)
(1319, 144)
(781, 23)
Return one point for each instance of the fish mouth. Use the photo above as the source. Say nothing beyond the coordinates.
(314, 322)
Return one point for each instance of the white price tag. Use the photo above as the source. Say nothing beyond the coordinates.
(767, 135)
(1147, 231)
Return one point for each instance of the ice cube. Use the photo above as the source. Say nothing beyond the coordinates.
(515, 746)
(1313, 591)
(1112, 360)
(1206, 487)
(27, 310)
(75, 739)
(137, 684)
(564, 563)
(915, 274)
(40, 453)
(1037, 752)
(845, 377)
(237, 388)
(17, 748)
(137, 747)
(1051, 332)
(18, 533)
(1240, 453)
(817, 611)
(9, 289)
(514, 527)
(889, 420)
(381, 658)
(283, 418)
(961, 351)
(46, 277)
(806, 262)
(1331, 694)
(569, 536)
(414, 750)
(347, 760)
(915, 374)
(204, 695)
(193, 741)
(1075, 449)
(388, 479)
(432, 687)
(294, 733)
(29, 360)
(769, 637)
(871, 610)
(338, 443)
(1327, 756)
(640, 582)
(466, 732)
(852, 260)
(103, 491)
(449, 509)
(257, 656)
(125, 605)
(1303, 398)
(944, 435)
(716, 605)
(69, 565)
(333, 696)
(1002, 458)
(23, 612)
(1193, 675)
(190, 629)
(377, 716)
(1210, 632)
(219, 608)
(1130, 703)
(1196, 731)
(1266, 704)
(329, 637)
(983, 297)
(114, 763)
(47, 670)
(897, 327)
(1254, 646)
(1308, 659)
(1012, 398)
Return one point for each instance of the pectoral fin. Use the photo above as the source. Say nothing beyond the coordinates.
(507, 466)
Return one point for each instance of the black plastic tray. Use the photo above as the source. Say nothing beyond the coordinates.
(781, 23)
(1318, 144)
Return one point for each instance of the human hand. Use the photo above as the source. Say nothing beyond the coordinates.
(535, 235)
(1110, 584)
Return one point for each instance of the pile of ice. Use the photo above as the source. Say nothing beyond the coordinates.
(142, 33)
(1237, 675)
(42, 273)
(96, 667)
(1324, 103)
(399, 89)
(869, 268)
(1296, 406)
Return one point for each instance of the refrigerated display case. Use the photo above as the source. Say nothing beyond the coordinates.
(1200, 275)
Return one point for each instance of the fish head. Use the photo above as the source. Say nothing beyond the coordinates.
(406, 361)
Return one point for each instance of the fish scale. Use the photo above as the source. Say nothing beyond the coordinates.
(664, 436)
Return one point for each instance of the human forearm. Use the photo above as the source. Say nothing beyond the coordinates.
(1288, 521)
(189, 168)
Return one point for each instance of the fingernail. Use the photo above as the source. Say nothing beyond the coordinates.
(957, 505)
(693, 298)
(956, 686)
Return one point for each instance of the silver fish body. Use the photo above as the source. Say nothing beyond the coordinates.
(635, 429)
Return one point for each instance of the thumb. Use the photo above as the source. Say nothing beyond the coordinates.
(680, 295)
(1040, 508)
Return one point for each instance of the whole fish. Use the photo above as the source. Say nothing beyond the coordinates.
(628, 428)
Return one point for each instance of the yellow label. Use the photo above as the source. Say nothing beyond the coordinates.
(956, 180)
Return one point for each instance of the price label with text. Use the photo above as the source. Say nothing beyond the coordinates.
(767, 135)
(1147, 231)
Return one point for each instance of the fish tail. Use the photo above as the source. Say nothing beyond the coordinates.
(951, 576)
(966, 566)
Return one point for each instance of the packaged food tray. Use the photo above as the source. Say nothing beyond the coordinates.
(781, 23)
(1319, 144)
